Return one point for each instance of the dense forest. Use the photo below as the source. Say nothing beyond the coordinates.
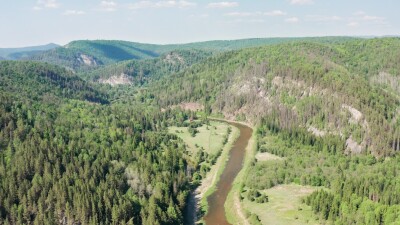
(85, 55)
(90, 162)
(76, 150)
(323, 87)
(139, 72)
(333, 107)
(25, 52)
(361, 189)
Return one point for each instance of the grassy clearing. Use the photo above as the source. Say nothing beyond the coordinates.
(209, 138)
(265, 156)
(284, 206)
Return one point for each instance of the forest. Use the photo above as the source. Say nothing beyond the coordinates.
(76, 150)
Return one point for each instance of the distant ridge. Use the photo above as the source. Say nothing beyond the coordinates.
(89, 54)
(19, 53)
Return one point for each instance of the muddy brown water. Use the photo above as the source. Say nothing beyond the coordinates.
(216, 201)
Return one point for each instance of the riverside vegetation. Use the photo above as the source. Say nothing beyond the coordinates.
(76, 150)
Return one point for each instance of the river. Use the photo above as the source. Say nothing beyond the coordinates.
(216, 201)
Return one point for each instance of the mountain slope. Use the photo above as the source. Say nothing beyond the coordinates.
(81, 55)
(42, 82)
(90, 163)
(19, 53)
(320, 87)
(139, 72)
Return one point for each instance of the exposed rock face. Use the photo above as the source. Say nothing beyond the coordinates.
(356, 115)
(191, 106)
(387, 79)
(122, 79)
(352, 146)
(316, 131)
(174, 58)
(87, 60)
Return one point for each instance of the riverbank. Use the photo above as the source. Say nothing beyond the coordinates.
(197, 200)
(233, 206)
(208, 184)
(234, 165)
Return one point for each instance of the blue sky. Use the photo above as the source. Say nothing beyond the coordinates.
(33, 22)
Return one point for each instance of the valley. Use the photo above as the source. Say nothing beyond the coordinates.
(116, 132)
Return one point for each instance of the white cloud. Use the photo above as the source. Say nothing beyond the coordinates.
(362, 17)
(372, 18)
(322, 18)
(142, 4)
(292, 20)
(275, 13)
(249, 14)
(108, 6)
(243, 14)
(353, 24)
(302, 2)
(162, 4)
(50, 4)
(73, 12)
(222, 4)
(249, 21)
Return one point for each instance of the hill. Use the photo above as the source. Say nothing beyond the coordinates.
(36, 81)
(89, 162)
(326, 112)
(341, 89)
(85, 54)
(19, 53)
(140, 72)
(331, 111)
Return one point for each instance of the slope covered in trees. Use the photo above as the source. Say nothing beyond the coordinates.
(140, 72)
(320, 87)
(19, 53)
(100, 154)
(89, 163)
(83, 55)
(44, 82)
(330, 110)
(359, 189)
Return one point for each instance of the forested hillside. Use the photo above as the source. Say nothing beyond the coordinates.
(139, 72)
(331, 111)
(19, 53)
(44, 82)
(89, 163)
(84, 55)
(94, 153)
(325, 88)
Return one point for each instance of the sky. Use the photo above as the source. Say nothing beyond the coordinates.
(36, 22)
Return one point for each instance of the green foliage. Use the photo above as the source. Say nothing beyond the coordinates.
(255, 196)
(105, 52)
(143, 71)
(97, 154)
(305, 83)
(352, 181)
(44, 82)
(90, 163)
(20, 53)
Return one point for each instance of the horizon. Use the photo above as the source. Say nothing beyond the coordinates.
(187, 21)
(201, 41)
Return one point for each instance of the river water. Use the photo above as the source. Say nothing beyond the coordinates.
(216, 201)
